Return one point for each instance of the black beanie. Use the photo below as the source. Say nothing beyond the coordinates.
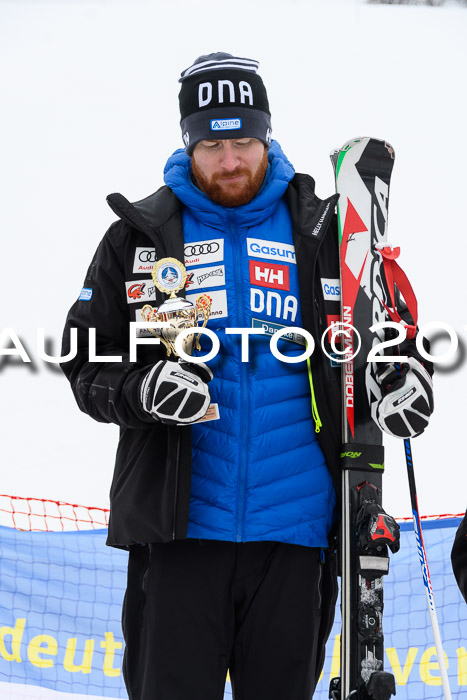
(222, 97)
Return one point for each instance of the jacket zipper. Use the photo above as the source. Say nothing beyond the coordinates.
(314, 405)
(243, 382)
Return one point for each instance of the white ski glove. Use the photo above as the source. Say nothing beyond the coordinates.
(407, 398)
(176, 392)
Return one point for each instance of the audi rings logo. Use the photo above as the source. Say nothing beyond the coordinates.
(144, 259)
(147, 256)
(198, 252)
(203, 249)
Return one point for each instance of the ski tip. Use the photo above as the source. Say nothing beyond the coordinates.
(362, 140)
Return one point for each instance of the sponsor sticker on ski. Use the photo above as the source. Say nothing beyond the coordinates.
(201, 252)
(271, 250)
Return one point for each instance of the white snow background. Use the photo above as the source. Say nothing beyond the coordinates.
(89, 106)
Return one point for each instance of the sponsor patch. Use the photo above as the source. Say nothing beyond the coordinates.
(271, 328)
(201, 252)
(225, 124)
(144, 259)
(219, 302)
(272, 304)
(211, 414)
(258, 248)
(331, 289)
(205, 277)
(334, 359)
(331, 320)
(317, 228)
(269, 275)
(86, 294)
(141, 332)
(140, 291)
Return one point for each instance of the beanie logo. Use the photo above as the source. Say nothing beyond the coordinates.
(186, 139)
(225, 89)
(268, 136)
(225, 124)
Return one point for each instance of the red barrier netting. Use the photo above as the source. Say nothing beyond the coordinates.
(44, 515)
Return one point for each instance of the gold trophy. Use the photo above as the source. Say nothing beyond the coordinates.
(169, 276)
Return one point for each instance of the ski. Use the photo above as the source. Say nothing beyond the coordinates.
(362, 169)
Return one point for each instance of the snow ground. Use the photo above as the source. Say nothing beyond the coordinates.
(90, 107)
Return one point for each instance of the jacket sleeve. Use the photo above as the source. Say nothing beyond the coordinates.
(107, 391)
(459, 557)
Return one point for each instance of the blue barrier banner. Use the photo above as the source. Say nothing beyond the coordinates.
(60, 607)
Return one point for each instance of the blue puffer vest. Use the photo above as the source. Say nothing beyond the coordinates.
(258, 471)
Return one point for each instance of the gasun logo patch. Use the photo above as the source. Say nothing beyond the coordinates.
(331, 288)
(225, 124)
(258, 248)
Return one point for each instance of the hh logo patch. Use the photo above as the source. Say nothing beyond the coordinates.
(333, 319)
(331, 289)
(257, 248)
(219, 302)
(206, 277)
(269, 275)
(201, 252)
(140, 290)
(144, 259)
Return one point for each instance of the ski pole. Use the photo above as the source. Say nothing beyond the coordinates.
(425, 571)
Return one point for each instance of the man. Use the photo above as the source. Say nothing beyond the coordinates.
(459, 556)
(229, 522)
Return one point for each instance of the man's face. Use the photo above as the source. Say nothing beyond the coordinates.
(230, 171)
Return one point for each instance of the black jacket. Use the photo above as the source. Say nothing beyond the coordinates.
(459, 557)
(150, 490)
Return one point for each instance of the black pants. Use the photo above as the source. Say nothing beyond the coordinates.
(196, 608)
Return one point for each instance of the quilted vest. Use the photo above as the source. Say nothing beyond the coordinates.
(258, 472)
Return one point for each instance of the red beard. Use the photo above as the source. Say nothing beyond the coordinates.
(235, 193)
